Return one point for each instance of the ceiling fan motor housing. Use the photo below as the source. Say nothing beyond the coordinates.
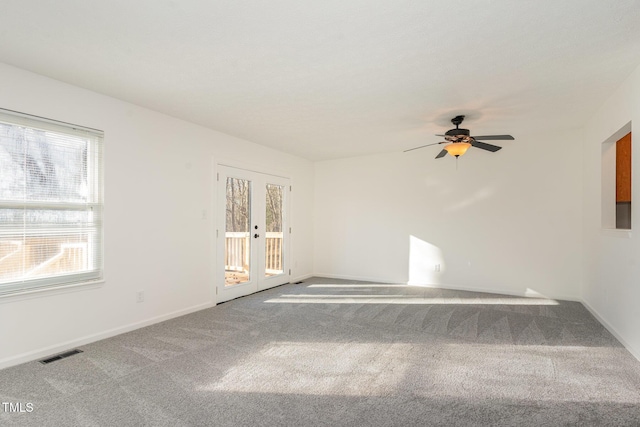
(458, 135)
(457, 132)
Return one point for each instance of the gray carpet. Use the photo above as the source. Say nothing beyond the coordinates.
(338, 353)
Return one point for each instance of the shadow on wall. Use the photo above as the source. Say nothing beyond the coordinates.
(426, 262)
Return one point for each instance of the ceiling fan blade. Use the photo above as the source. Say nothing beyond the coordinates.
(485, 146)
(422, 146)
(495, 137)
(441, 154)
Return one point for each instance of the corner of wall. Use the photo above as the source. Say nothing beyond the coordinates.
(635, 352)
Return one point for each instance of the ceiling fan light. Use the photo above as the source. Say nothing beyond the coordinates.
(457, 149)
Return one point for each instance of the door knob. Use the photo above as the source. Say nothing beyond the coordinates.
(256, 235)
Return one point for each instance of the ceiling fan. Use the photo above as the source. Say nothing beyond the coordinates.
(460, 140)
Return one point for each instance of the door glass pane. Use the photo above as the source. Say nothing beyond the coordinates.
(273, 239)
(237, 245)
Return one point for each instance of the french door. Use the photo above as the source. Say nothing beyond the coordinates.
(253, 232)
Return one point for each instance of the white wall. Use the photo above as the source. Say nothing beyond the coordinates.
(508, 221)
(158, 180)
(611, 268)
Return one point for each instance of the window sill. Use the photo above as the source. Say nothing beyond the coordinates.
(618, 233)
(50, 290)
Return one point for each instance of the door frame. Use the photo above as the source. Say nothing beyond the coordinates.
(219, 233)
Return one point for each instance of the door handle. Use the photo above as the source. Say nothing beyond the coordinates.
(256, 236)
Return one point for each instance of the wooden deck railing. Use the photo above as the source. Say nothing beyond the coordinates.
(71, 258)
(273, 253)
(236, 251)
(32, 258)
(237, 254)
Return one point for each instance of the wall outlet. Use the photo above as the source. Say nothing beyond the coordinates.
(437, 268)
(140, 296)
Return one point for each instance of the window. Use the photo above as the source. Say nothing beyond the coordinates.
(623, 182)
(50, 203)
(616, 180)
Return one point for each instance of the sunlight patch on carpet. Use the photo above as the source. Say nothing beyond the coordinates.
(319, 368)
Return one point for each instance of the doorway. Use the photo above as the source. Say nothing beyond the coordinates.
(253, 232)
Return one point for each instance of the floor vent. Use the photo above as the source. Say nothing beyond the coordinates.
(60, 356)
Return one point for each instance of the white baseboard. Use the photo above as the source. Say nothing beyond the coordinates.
(502, 292)
(634, 352)
(356, 278)
(59, 348)
(448, 286)
(300, 278)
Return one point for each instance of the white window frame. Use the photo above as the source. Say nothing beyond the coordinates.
(95, 271)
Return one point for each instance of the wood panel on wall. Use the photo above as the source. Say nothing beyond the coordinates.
(623, 169)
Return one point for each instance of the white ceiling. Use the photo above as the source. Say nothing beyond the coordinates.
(337, 78)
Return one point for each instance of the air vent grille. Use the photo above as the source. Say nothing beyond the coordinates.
(60, 356)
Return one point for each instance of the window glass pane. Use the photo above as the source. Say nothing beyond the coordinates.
(40, 165)
(46, 218)
(238, 232)
(25, 257)
(274, 255)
